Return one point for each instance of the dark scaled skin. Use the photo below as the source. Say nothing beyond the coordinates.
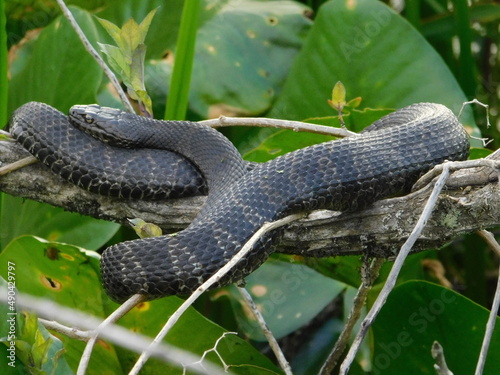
(100, 168)
(348, 174)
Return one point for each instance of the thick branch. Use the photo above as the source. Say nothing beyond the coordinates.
(379, 230)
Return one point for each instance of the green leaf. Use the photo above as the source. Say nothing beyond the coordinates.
(35, 347)
(77, 76)
(282, 293)
(149, 317)
(144, 229)
(280, 142)
(177, 103)
(52, 223)
(67, 275)
(127, 59)
(113, 30)
(376, 54)
(117, 61)
(144, 26)
(418, 313)
(338, 100)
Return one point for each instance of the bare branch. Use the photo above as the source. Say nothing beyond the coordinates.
(378, 231)
(296, 126)
(490, 325)
(369, 277)
(273, 343)
(116, 334)
(396, 268)
(111, 319)
(489, 238)
(267, 227)
(438, 354)
(71, 332)
(90, 49)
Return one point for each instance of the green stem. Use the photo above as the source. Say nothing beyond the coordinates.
(3, 65)
(466, 60)
(178, 96)
(412, 13)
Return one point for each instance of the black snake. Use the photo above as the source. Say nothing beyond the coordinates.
(348, 174)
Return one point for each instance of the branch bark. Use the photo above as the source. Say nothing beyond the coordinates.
(470, 204)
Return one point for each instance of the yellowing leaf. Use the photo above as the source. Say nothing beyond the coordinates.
(338, 96)
(144, 229)
(113, 30)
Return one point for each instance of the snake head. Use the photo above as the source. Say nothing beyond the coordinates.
(103, 123)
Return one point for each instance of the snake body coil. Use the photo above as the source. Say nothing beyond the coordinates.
(92, 165)
(348, 174)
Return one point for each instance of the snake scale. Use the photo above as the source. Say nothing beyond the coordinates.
(343, 175)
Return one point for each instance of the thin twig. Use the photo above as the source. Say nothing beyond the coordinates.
(490, 325)
(18, 165)
(396, 268)
(111, 319)
(454, 166)
(88, 46)
(438, 354)
(490, 240)
(207, 284)
(475, 101)
(71, 332)
(370, 275)
(285, 366)
(114, 333)
(296, 126)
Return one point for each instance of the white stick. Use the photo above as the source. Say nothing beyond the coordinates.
(490, 325)
(438, 354)
(114, 333)
(207, 284)
(267, 332)
(111, 319)
(18, 164)
(86, 43)
(396, 268)
(296, 126)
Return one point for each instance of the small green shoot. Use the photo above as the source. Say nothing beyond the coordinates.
(127, 57)
(338, 101)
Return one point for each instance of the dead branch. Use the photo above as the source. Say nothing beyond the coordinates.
(470, 204)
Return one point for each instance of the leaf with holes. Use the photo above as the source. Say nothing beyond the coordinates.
(67, 275)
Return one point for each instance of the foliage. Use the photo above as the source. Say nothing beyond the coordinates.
(258, 57)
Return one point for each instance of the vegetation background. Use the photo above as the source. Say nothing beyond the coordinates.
(271, 58)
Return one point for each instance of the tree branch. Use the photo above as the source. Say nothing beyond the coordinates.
(378, 231)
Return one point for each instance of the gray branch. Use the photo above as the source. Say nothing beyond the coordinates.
(469, 204)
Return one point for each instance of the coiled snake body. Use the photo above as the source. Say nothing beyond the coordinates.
(348, 174)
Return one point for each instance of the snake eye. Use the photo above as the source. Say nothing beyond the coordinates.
(89, 119)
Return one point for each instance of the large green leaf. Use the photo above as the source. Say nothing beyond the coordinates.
(69, 276)
(149, 317)
(283, 294)
(375, 53)
(418, 313)
(57, 69)
(54, 68)
(243, 53)
(52, 223)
